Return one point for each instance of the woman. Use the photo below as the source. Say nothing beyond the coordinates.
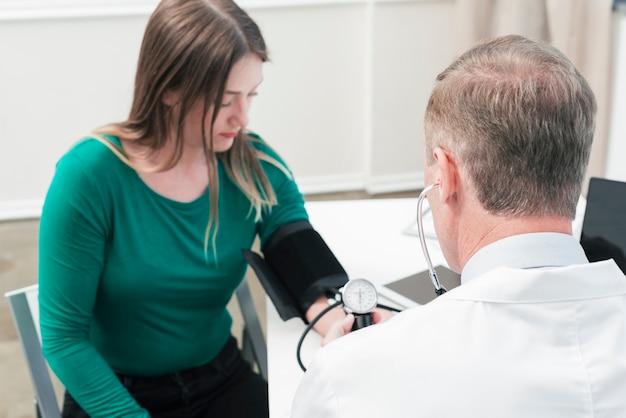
(144, 222)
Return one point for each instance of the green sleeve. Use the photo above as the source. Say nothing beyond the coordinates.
(73, 232)
(290, 207)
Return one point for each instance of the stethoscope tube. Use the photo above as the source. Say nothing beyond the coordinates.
(439, 289)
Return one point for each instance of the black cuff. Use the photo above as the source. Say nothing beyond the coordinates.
(298, 266)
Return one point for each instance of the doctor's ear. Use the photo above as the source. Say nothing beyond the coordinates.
(446, 173)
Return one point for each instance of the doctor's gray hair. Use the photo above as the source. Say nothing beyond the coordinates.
(519, 118)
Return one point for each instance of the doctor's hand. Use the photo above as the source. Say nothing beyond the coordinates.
(338, 329)
(343, 327)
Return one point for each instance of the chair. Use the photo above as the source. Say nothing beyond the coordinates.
(253, 346)
(25, 311)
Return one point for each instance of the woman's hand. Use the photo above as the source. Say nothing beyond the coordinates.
(323, 325)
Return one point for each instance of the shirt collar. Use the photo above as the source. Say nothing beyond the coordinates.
(525, 251)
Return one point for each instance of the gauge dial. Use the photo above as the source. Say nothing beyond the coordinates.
(359, 296)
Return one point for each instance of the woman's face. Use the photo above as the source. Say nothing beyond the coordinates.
(243, 80)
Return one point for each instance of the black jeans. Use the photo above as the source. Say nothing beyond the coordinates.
(225, 387)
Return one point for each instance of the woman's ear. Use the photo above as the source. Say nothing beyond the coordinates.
(170, 97)
(447, 173)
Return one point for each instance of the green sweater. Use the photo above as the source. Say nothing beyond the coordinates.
(124, 283)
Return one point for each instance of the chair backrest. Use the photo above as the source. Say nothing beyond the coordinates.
(24, 306)
(254, 347)
(25, 310)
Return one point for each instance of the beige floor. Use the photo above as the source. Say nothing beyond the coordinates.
(18, 268)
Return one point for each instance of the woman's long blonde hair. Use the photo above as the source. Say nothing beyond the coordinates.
(190, 47)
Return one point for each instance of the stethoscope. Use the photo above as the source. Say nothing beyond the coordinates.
(439, 289)
(359, 296)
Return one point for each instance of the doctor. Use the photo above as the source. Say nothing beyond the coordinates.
(535, 330)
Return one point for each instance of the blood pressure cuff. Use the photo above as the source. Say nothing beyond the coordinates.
(297, 269)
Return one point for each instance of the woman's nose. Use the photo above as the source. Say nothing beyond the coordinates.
(240, 113)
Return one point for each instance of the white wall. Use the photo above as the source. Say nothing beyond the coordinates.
(312, 103)
(411, 44)
(342, 100)
(343, 97)
(59, 78)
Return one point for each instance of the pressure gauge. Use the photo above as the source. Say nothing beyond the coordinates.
(359, 296)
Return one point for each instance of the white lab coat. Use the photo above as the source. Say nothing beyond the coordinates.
(534, 342)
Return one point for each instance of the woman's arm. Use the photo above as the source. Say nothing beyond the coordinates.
(73, 232)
